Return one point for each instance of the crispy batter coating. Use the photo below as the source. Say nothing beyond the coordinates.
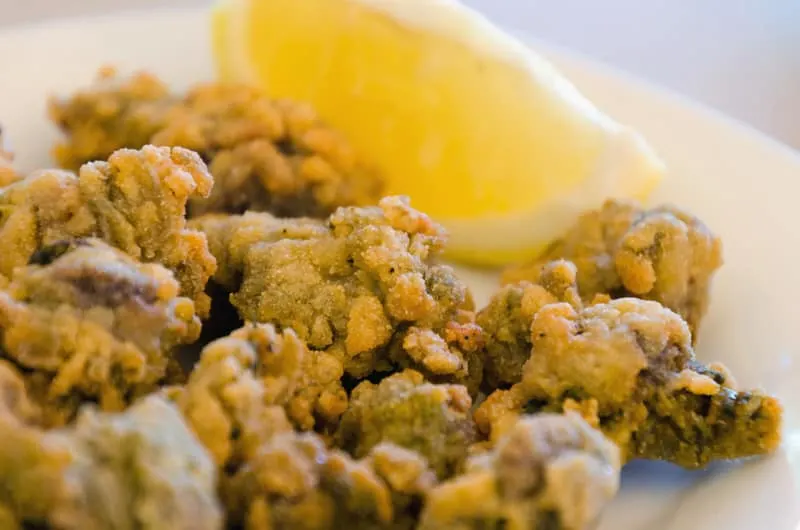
(230, 238)
(629, 367)
(266, 155)
(237, 400)
(136, 202)
(361, 286)
(141, 469)
(506, 320)
(547, 471)
(116, 112)
(15, 403)
(90, 323)
(662, 254)
(234, 395)
(294, 482)
(433, 420)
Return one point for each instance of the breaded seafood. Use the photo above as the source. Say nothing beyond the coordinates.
(266, 155)
(140, 469)
(628, 366)
(362, 286)
(546, 471)
(662, 254)
(295, 482)
(136, 201)
(432, 419)
(506, 320)
(242, 401)
(88, 323)
(242, 381)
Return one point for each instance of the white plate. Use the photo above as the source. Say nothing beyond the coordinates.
(742, 184)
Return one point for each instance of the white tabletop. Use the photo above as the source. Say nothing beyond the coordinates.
(740, 56)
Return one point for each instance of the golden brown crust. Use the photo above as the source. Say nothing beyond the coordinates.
(114, 113)
(266, 155)
(88, 323)
(240, 381)
(135, 201)
(361, 286)
(433, 420)
(295, 482)
(274, 156)
(546, 471)
(71, 479)
(506, 320)
(662, 254)
(629, 367)
(239, 400)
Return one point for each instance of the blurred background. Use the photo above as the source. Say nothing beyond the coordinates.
(739, 56)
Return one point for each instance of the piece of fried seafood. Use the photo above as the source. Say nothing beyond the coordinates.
(266, 155)
(136, 201)
(506, 320)
(362, 286)
(295, 482)
(244, 400)
(234, 395)
(628, 366)
(622, 249)
(433, 420)
(545, 471)
(139, 469)
(115, 112)
(88, 323)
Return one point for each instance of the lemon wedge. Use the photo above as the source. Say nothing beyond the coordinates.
(482, 133)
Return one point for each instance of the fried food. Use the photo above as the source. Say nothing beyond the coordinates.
(136, 201)
(89, 323)
(295, 482)
(234, 395)
(138, 469)
(114, 113)
(360, 286)
(506, 320)
(628, 366)
(15, 404)
(432, 420)
(662, 254)
(266, 155)
(244, 399)
(547, 471)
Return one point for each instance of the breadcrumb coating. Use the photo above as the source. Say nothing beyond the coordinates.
(662, 254)
(89, 323)
(114, 113)
(141, 469)
(506, 320)
(629, 367)
(242, 400)
(15, 403)
(296, 482)
(547, 471)
(361, 286)
(136, 201)
(266, 155)
(234, 394)
(433, 420)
